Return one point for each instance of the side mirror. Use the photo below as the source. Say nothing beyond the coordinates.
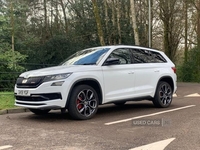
(112, 61)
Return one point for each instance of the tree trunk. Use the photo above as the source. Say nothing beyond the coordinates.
(118, 22)
(106, 18)
(134, 23)
(186, 31)
(45, 34)
(57, 17)
(150, 2)
(113, 36)
(98, 22)
(166, 39)
(12, 26)
(45, 14)
(65, 16)
(198, 24)
(198, 36)
(12, 34)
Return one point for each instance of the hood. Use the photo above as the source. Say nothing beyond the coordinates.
(58, 70)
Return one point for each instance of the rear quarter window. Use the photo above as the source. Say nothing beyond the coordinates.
(157, 58)
(146, 56)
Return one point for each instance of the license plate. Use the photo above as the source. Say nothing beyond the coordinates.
(23, 92)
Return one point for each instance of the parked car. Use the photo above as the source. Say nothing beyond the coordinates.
(99, 75)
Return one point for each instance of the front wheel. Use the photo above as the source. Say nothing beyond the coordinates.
(40, 111)
(163, 95)
(83, 102)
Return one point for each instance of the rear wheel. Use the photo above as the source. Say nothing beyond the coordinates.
(40, 111)
(83, 102)
(163, 95)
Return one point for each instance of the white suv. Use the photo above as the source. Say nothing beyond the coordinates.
(95, 76)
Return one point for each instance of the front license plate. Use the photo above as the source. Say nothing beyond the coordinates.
(23, 92)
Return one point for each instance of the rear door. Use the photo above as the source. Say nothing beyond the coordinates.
(147, 68)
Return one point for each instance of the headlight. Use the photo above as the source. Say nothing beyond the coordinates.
(56, 77)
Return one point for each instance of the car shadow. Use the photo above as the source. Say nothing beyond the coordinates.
(111, 108)
(103, 110)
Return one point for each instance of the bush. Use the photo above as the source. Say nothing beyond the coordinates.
(189, 71)
(9, 68)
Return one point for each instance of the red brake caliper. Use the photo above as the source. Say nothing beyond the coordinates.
(79, 104)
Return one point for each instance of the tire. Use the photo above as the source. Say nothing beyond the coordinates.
(120, 103)
(83, 102)
(163, 95)
(40, 111)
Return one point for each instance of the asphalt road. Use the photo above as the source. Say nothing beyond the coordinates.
(113, 128)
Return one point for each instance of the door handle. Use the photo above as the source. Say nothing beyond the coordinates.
(157, 71)
(131, 72)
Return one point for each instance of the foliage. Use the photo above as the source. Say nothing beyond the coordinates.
(10, 68)
(189, 71)
(52, 52)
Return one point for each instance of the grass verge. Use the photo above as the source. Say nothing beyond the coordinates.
(7, 100)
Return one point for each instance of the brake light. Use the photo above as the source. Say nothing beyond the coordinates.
(174, 69)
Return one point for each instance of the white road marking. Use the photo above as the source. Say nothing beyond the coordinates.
(193, 95)
(160, 145)
(5, 147)
(174, 95)
(149, 115)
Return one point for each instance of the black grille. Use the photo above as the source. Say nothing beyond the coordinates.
(31, 82)
(39, 97)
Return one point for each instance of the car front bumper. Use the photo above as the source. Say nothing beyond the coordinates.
(44, 96)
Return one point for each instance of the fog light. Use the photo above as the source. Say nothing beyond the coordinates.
(57, 83)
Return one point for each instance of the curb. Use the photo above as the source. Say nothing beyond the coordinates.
(13, 110)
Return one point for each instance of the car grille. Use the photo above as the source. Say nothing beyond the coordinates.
(31, 82)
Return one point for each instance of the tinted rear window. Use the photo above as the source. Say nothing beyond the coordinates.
(146, 56)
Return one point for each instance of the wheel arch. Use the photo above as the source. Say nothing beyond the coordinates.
(87, 81)
(167, 79)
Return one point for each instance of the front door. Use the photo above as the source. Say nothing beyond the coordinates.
(119, 78)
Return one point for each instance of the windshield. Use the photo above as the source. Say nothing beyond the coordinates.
(86, 57)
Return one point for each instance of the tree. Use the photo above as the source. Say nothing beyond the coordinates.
(98, 21)
(186, 30)
(63, 6)
(197, 64)
(134, 23)
(171, 16)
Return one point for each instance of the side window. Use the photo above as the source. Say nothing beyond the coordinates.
(141, 56)
(157, 58)
(122, 54)
(146, 56)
